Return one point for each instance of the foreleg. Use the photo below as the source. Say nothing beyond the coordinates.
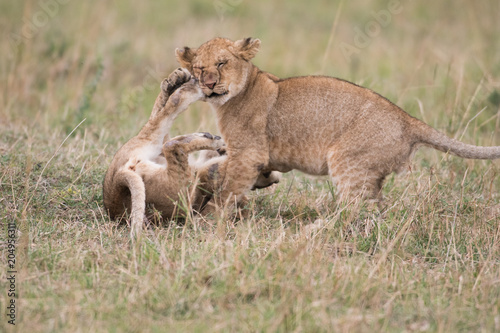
(240, 172)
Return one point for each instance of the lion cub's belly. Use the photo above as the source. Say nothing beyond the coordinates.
(285, 157)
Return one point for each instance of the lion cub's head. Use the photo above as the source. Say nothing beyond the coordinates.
(220, 65)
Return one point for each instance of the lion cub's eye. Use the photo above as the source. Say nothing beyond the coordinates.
(220, 64)
(197, 70)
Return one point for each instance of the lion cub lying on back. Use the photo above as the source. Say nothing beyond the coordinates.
(150, 170)
(318, 125)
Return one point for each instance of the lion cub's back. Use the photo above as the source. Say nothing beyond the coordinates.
(315, 107)
(311, 113)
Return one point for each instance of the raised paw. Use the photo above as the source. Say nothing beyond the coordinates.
(176, 79)
(218, 144)
(196, 141)
(185, 138)
(208, 135)
(217, 140)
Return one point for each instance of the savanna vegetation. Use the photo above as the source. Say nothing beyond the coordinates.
(79, 78)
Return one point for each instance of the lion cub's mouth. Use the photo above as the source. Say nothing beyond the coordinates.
(213, 94)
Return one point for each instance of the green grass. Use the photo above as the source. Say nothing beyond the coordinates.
(299, 263)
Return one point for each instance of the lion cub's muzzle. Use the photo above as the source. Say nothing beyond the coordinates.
(210, 93)
(209, 81)
(211, 86)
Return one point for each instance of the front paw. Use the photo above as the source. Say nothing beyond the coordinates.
(188, 93)
(176, 79)
(217, 142)
(208, 135)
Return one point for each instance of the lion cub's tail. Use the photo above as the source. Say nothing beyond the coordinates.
(129, 178)
(437, 140)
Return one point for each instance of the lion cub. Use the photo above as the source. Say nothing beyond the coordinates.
(318, 125)
(139, 174)
(150, 169)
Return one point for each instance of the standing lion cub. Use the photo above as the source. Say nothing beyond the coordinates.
(318, 125)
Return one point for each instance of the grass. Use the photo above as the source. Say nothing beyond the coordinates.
(429, 263)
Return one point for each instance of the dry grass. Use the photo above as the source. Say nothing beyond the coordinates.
(428, 262)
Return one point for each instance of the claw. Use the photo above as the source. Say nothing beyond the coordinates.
(176, 79)
(208, 135)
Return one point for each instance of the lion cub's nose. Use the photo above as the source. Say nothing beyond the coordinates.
(210, 84)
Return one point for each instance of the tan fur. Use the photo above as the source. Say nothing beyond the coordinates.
(146, 171)
(152, 170)
(318, 125)
(210, 175)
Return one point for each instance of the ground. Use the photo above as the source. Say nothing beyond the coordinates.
(79, 79)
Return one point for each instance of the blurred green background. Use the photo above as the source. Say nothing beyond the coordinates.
(63, 61)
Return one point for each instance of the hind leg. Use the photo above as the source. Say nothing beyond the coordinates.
(355, 177)
(357, 186)
(165, 183)
(177, 149)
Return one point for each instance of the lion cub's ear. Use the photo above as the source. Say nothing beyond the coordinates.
(185, 57)
(247, 48)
